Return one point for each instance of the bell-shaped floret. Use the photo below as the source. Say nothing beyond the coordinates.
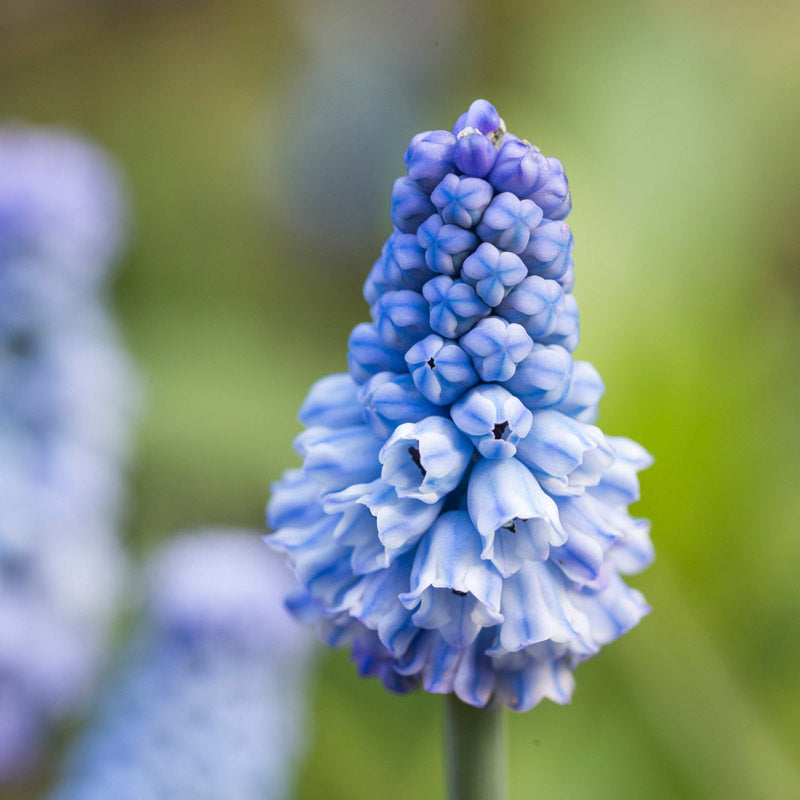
(367, 354)
(388, 399)
(411, 205)
(294, 501)
(619, 485)
(332, 402)
(454, 306)
(429, 157)
(440, 369)
(583, 394)
(474, 153)
(374, 602)
(509, 222)
(543, 377)
(356, 528)
(377, 283)
(473, 676)
(493, 272)
(404, 265)
(612, 610)
(425, 460)
(566, 331)
(514, 516)
(445, 246)
(553, 197)
(535, 304)
(537, 606)
(401, 520)
(338, 457)
(462, 201)
(534, 680)
(493, 418)
(592, 529)
(401, 318)
(548, 252)
(321, 564)
(520, 168)
(452, 589)
(633, 551)
(496, 347)
(566, 455)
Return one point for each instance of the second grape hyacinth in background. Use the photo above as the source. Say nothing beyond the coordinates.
(458, 520)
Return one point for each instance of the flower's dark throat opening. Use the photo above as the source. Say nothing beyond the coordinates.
(431, 363)
(414, 452)
(500, 429)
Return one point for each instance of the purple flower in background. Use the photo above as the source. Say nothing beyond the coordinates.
(208, 702)
(68, 398)
(470, 525)
(62, 219)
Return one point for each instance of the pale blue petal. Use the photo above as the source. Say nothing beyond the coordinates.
(474, 678)
(612, 611)
(401, 521)
(583, 394)
(367, 354)
(543, 377)
(294, 500)
(619, 484)
(493, 418)
(536, 606)
(574, 452)
(634, 551)
(523, 689)
(425, 460)
(332, 402)
(388, 399)
(342, 457)
(502, 491)
(449, 558)
(440, 369)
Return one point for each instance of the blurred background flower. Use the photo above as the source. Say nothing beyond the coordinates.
(677, 124)
(209, 701)
(67, 403)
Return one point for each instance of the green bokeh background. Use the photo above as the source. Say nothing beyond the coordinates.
(678, 124)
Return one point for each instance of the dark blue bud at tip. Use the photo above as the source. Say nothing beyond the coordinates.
(482, 116)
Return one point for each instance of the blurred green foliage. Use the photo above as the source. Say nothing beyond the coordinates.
(678, 125)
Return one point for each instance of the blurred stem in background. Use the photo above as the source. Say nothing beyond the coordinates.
(474, 751)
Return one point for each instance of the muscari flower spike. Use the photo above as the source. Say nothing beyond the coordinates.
(459, 521)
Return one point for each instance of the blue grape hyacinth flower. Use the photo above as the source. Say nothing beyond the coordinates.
(459, 521)
(209, 700)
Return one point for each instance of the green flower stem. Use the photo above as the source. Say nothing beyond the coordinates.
(475, 751)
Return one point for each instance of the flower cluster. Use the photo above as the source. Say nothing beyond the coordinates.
(67, 402)
(208, 702)
(458, 519)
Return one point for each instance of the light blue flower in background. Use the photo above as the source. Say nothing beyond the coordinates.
(68, 400)
(208, 702)
(468, 530)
